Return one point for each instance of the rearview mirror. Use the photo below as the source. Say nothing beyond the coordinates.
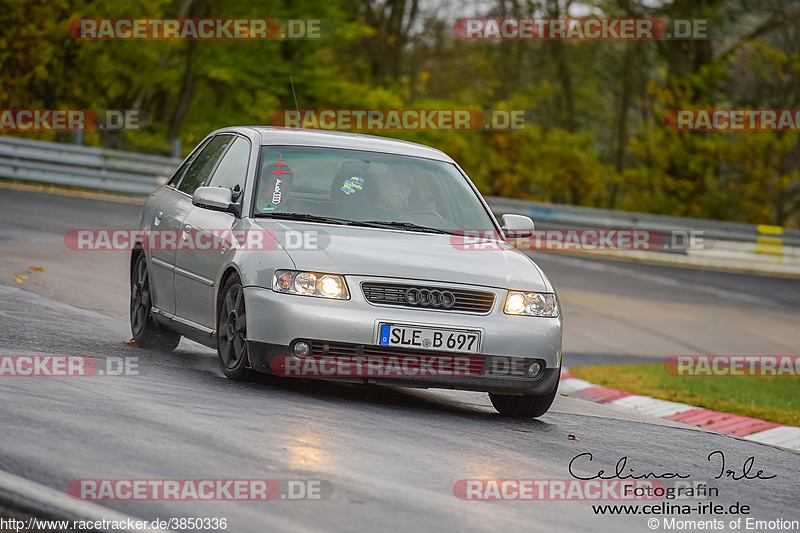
(216, 199)
(516, 225)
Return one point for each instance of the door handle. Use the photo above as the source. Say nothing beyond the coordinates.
(157, 220)
(186, 229)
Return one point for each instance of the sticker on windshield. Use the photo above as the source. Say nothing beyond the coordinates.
(276, 193)
(269, 208)
(353, 185)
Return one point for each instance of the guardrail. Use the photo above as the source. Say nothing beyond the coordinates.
(757, 248)
(83, 166)
(747, 246)
(569, 216)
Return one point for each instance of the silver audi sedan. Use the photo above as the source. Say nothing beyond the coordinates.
(344, 257)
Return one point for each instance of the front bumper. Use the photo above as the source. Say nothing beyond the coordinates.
(263, 354)
(276, 320)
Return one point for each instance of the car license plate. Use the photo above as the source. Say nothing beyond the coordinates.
(440, 340)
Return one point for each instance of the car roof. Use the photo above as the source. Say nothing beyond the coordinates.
(271, 135)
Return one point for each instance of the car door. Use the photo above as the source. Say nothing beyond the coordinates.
(165, 212)
(196, 268)
(168, 215)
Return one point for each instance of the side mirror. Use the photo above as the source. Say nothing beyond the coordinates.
(516, 225)
(216, 199)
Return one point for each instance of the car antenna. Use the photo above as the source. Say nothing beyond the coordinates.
(295, 97)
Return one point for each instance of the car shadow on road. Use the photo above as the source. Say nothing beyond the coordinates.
(417, 401)
(414, 400)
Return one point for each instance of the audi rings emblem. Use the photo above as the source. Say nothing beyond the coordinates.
(430, 298)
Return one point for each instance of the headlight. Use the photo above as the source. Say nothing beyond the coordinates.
(310, 284)
(531, 304)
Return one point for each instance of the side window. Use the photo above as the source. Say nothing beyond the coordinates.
(176, 178)
(232, 170)
(203, 164)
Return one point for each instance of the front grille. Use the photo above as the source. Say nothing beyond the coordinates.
(334, 348)
(395, 294)
(490, 366)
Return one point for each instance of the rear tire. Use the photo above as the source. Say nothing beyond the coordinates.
(232, 332)
(145, 330)
(523, 406)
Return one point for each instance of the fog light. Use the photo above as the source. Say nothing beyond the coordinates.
(301, 348)
(534, 369)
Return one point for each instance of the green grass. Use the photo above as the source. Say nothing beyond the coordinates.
(770, 398)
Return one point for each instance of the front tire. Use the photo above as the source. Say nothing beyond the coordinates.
(523, 406)
(232, 331)
(147, 333)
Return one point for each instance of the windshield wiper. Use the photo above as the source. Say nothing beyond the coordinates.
(306, 217)
(403, 225)
(346, 222)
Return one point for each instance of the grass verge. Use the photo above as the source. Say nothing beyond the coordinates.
(770, 398)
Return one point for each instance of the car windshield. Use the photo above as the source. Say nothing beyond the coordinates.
(366, 188)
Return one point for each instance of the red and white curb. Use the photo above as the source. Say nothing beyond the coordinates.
(740, 426)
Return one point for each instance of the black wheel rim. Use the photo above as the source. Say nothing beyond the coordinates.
(233, 328)
(140, 297)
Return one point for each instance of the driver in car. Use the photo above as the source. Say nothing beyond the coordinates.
(394, 188)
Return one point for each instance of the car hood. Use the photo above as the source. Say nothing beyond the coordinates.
(352, 250)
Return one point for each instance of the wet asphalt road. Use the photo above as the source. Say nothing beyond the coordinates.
(392, 456)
